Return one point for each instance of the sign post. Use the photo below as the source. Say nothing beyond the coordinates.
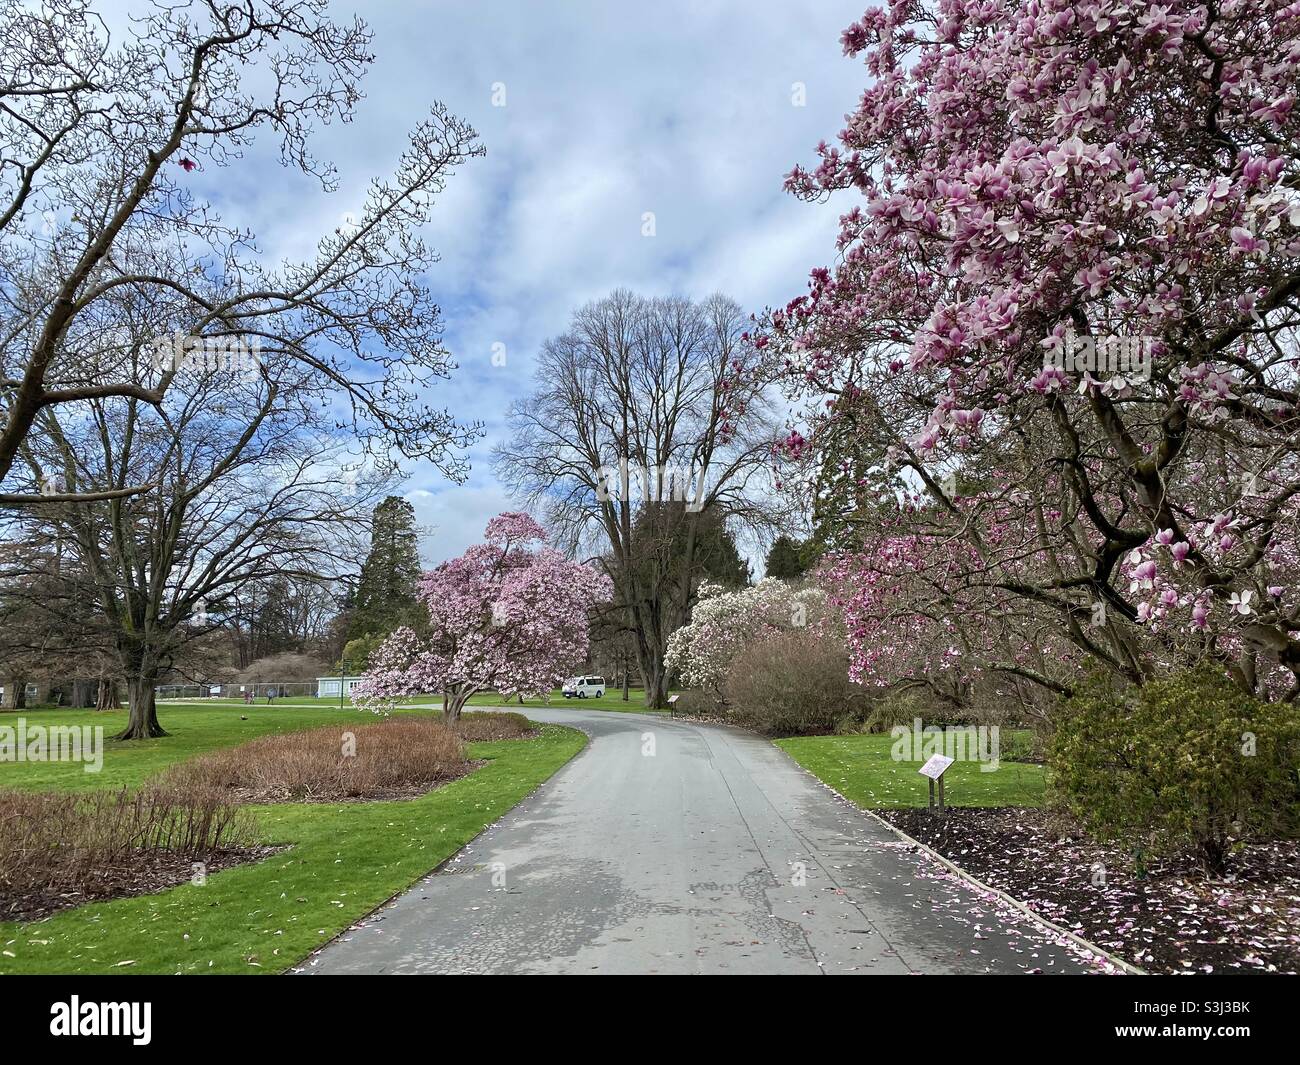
(672, 705)
(934, 769)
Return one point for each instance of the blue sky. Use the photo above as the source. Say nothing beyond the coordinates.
(686, 110)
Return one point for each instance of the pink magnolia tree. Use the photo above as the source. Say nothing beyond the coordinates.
(508, 616)
(1040, 180)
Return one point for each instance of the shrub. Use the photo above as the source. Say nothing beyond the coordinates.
(1185, 763)
(725, 621)
(704, 704)
(400, 756)
(55, 846)
(286, 666)
(481, 726)
(793, 683)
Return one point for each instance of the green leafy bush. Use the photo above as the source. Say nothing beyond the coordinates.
(1185, 763)
(793, 683)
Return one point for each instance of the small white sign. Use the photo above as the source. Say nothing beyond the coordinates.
(936, 766)
(673, 699)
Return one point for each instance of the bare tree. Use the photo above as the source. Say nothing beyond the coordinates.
(38, 580)
(644, 406)
(245, 467)
(99, 138)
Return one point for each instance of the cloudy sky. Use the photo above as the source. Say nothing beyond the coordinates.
(689, 110)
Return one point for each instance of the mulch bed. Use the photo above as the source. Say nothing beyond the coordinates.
(137, 875)
(1173, 920)
(480, 730)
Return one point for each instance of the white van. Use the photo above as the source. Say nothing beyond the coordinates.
(584, 687)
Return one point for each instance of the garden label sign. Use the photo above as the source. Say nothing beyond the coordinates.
(934, 769)
(936, 765)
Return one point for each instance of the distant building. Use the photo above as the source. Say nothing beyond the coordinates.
(326, 686)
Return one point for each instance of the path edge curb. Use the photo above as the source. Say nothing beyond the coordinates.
(1128, 967)
(295, 969)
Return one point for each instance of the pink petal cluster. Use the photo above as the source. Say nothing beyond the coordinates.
(508, 616)
(1021, 169)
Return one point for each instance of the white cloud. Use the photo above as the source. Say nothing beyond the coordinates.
(610, 111)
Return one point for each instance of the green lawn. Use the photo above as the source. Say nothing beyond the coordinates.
(611, 700)
(290, 700)
(194, 727)
(342, 860)
(860, 768)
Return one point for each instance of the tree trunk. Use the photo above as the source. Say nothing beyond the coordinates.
(143, 721)
(656, 683)
(650, 651)
(626, 684)
(15, 693)
(106, 697)
(452, 704)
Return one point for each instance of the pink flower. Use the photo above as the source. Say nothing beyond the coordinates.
(507, 616)
(1247, 242)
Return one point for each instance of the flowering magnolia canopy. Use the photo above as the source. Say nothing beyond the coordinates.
(724, 622)
(508, 616)
(1028, 174)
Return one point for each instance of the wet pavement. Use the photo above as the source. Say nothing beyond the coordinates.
(673, 847)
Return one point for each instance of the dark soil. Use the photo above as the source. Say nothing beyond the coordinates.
(137, 874)
(1174, 919)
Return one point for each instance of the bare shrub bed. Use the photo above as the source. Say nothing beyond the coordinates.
(394, 759)
(61, 849)
(485, 726)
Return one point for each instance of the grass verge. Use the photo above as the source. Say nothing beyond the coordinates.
(862, 770)
(342, 860)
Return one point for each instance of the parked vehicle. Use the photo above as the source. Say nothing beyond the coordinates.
(584, 687)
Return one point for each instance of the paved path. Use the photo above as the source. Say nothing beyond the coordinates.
(714, 854)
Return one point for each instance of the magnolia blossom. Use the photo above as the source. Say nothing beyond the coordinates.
(723, 622)
(1012, 172)
(507, 616)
